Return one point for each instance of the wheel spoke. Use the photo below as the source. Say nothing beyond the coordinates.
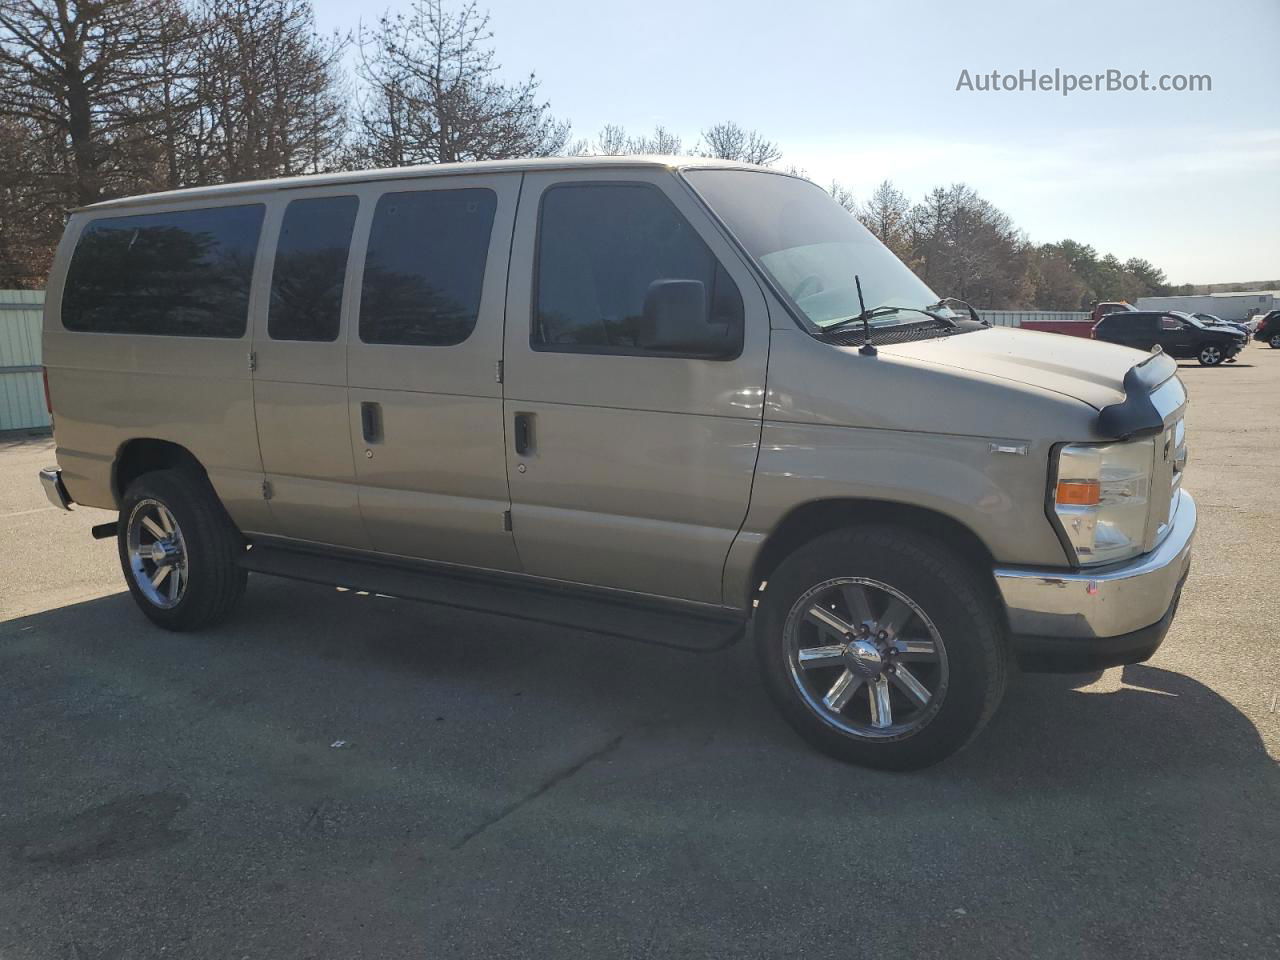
(855, 598)
(881, 711)
(914, 649)
(909, 683)
(895, 616)
(166, 521)
(812, 658)
(154, 528)
(824, 619)
(175, 584)
(841, 691)
(158, 577)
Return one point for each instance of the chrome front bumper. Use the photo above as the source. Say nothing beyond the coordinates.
(51, 480)
(1106, 602)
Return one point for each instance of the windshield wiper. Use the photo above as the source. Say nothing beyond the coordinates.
(973, 314)
(868, 315)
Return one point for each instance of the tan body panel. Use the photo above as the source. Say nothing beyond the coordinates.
(435, 485)
(109, 389)
(641, 467)
(840, 425)
(300, 400)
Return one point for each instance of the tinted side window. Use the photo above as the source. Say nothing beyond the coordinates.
(181, 274)
(600, 248)
(425, 267)
(311, 264)
(1127, 322)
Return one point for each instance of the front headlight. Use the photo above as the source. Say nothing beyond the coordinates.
(1101, 498)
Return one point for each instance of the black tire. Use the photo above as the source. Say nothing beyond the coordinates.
(959, 602)
(1210, 355)
(210, 548)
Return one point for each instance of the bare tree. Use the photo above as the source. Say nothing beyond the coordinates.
(885, 214)
(612, 141)
(843, 196)
(269, 91)
(432, 93)
(728, 141)
(77, 71)
(661, 142)
(31, 204)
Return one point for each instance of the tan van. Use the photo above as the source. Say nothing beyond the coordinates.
(659, 397)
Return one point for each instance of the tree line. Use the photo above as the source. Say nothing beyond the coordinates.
(108, 98)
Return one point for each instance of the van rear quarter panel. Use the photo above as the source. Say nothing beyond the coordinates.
(110, 388)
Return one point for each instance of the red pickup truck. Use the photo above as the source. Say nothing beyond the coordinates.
(1078, 328)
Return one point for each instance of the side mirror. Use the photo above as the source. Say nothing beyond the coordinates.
(675, 319)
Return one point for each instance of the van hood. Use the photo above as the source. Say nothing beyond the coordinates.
(1086, 370)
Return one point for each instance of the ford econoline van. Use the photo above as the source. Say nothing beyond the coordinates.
(667, 398)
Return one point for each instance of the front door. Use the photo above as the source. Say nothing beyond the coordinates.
(425, 416)
(1177, 337)
(632, 433)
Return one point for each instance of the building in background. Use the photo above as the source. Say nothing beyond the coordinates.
(1237, 307)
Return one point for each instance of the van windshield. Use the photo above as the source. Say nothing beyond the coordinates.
(811, 246)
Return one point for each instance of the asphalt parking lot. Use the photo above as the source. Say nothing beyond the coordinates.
(337, 776)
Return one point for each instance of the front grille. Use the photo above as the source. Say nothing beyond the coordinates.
(1171, 460)
(1177, 439)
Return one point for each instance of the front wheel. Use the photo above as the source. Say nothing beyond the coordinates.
(1275, 342)
(882, 647)
(179, 550)
(1211, 355)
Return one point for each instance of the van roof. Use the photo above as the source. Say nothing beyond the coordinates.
(423, 170)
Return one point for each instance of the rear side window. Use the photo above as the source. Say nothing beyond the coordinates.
(424, 271)
(310, 268)
(601, 247)
(180, 274)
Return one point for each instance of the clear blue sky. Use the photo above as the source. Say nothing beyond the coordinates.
(862, 91)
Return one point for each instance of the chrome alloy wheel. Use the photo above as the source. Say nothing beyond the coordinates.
(1210, 355)
(865, 658)
(157, 553)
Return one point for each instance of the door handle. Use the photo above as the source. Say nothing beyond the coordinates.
(524, 433)
(371, 421)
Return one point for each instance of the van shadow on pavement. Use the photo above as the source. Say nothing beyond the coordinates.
(372, 775)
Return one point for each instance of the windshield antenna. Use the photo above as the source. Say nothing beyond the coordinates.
(867, 350)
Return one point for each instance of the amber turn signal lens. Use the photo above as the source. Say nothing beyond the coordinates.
(1078, 493)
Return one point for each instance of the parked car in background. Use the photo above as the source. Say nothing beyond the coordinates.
(1102, 308)
(1179, 335)
(1268, 330)
(1209, 320)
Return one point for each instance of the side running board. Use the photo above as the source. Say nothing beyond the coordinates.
(624, 618)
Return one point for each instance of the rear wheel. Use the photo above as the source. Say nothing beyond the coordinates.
(1211, 355)
(1275, 341)
(179, 550)
(882, 647)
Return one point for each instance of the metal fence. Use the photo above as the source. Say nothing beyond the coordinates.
(21, 389)
(1015, 318)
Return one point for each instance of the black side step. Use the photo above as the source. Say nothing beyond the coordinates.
(625, 618)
